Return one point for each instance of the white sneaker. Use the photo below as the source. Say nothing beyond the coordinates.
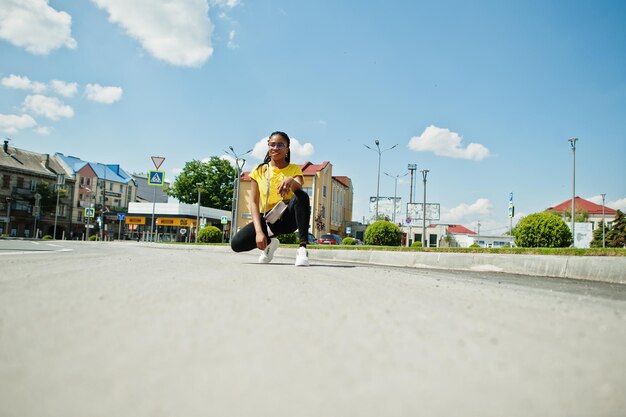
(268, 253)
(302, 257)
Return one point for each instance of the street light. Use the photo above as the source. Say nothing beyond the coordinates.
(199, 185)
(424, 175)
(239, 163)
(603, 242)
(377, 142)
(395, 191)
(572, 141)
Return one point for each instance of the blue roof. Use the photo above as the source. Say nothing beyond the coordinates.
(109, 172)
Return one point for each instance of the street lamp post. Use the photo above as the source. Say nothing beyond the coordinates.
(603, 241)
(424, 175)
(239, 163)
(199, 185)
(572, 141)
(395, 192)
(377, 142)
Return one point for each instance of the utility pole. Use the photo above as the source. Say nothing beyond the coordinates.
(377, 142)
(424, 175)
(239, 164)
(603, 237)
(572, 141)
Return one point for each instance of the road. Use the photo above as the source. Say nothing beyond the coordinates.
(136, 329)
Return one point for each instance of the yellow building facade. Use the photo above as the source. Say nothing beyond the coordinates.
(330, 197)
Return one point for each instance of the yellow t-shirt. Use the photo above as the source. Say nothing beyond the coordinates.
(277, 175)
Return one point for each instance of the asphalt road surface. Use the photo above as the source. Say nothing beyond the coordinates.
(132, 329)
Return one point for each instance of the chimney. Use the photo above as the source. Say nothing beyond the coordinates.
(47, 163)
(6, 146)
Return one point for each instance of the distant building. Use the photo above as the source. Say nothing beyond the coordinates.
(23, 210)
(585, 207)
(105, 187)
(330, 196)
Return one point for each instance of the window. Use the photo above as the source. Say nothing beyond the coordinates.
(88, 180)
(6, 181)
(111, 186)
(33, 185)
(324, 191)
(20, 182)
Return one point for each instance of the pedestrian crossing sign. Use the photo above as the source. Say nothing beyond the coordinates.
(156, 178)
(89, 212)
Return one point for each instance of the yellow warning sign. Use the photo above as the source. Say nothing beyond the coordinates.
(135, 220)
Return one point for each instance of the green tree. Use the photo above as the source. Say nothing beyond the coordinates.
(542, 230)
(616, 236)
(383, 233)
(596, 242)
(48, 201)
(216, 176)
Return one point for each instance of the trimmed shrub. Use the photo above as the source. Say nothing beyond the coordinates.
(47, 237)
(383, 233)
(348, 241)
(210, 234)
(416, 244)
(474, 245)
(542, 230)
(288, 238)
(93, 238)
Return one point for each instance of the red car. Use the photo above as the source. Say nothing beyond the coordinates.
(329, 240)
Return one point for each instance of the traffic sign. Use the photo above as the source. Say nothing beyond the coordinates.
(89, 212)
(224, 220)
(156, 178)
(121, 216)
(157, 161)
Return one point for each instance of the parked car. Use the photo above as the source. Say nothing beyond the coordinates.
(312, 239)
(329, 239)
(358, 242)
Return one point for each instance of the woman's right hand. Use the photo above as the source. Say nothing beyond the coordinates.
(261, 240)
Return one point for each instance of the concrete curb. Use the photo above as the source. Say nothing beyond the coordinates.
(593, 268)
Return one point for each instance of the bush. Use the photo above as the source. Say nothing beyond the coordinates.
(93, 238)
(348, 241)
(542, 230)
(383, 233)
(288, 238)
(416, 244)
(210, 234)
(47, 237)
(474, 245)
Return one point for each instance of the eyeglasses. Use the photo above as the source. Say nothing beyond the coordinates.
(277, 145)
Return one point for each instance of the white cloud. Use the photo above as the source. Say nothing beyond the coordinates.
(231, 40)
(23, 83)
(50, 107)
(467, 212)
(44, 130)
(228, 158)
(35, 26)
(63, 88)
(106, 95)
(225, 3)
(176, 32)
(11, 123)
(300, 153)
(443, 142)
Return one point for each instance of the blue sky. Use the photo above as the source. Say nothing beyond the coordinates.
(484, 94)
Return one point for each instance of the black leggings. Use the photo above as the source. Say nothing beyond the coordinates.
(295, 217)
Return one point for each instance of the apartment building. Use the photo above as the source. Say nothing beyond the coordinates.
(105, 187)
(30, 200)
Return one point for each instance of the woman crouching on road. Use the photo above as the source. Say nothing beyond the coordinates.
(273, 182)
